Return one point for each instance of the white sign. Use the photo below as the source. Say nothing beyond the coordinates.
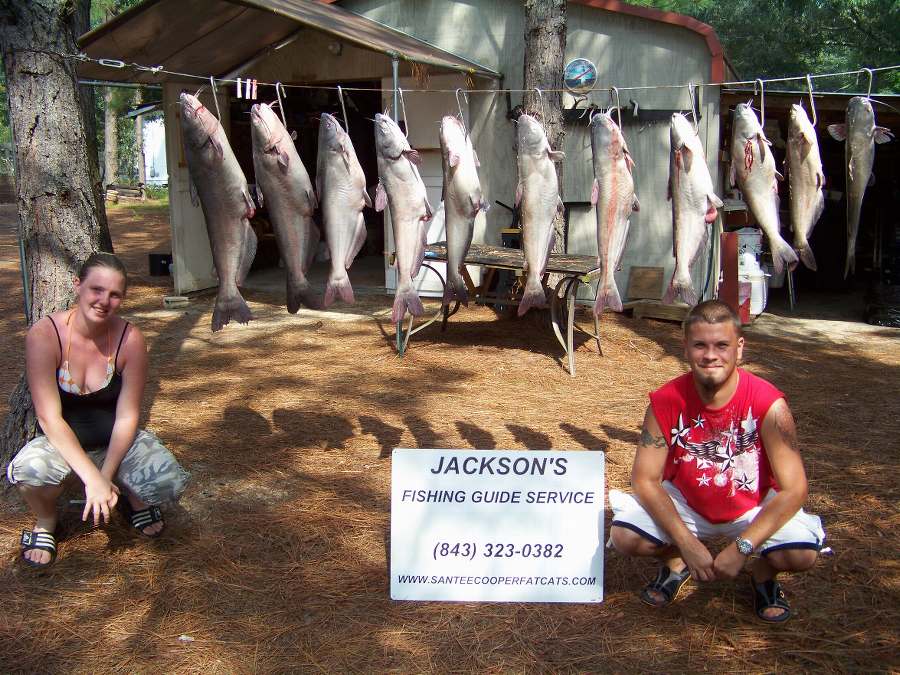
(508, 525)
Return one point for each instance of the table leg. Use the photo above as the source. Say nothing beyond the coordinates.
(571, 291)
(597, 332)
(554, 312)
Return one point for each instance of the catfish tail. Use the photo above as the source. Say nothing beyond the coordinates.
(608, 297)
(680, 288)
(782, 254)
(533, 296)
(456, 289)
(406, 298)
(806, 255)
(850, 266)
(338, 288)
(229, 305)
(299, 292)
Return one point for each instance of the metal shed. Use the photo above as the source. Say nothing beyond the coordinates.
(437, 45)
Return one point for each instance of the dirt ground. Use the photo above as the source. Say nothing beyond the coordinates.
(276, 558)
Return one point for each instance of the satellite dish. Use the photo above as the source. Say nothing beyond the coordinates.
(580, 76)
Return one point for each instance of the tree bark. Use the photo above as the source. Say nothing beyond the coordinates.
(545, 49)
(110, 139)
(61, 220)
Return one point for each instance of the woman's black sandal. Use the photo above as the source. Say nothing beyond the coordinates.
(38, 541)
(142, 518)
(766, 595)
(667, 584)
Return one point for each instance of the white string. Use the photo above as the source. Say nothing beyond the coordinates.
(156, 70)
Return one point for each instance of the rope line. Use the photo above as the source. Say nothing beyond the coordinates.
(156, 70)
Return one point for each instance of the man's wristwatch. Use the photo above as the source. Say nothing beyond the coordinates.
(744, 546)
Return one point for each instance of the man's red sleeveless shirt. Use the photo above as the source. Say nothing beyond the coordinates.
(716, 456)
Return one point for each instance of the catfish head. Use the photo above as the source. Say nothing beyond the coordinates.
(453, 138)
(198, 123)
(268, 131)
(331, 134)
(531, 139)
(605, 133)
(390, 142)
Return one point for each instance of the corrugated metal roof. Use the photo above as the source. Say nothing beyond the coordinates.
(212, 37)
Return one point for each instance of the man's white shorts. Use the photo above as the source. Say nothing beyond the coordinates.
(802, 531)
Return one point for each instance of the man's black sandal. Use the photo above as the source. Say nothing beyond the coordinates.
(766, 595)
(143, 518)
(667, 584)
(38, 541)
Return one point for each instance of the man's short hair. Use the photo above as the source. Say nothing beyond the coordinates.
(711, 311)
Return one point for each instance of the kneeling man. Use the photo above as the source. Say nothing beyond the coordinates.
(717, 458)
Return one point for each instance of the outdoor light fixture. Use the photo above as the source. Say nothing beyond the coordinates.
(335, 48)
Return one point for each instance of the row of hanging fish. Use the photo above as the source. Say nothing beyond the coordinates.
(806, 179)
(283, 185)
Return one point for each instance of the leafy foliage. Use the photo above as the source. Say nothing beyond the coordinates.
(783, 38)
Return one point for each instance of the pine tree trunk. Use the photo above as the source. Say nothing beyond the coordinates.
(110, 139)
(545, 48)
(61, 220)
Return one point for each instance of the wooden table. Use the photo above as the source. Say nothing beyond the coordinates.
(574, 270)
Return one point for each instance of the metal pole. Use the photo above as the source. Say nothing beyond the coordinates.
(395, 70)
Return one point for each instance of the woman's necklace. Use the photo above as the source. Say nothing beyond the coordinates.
(66, 366)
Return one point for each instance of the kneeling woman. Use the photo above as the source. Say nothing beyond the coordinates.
(86, 369)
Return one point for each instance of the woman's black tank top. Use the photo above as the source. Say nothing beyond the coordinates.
(92, 416)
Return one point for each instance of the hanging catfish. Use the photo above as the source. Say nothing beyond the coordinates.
(806, 180)
(400, 186)
(341, 187)
(219, 184)
(861, 135)
(283, 186)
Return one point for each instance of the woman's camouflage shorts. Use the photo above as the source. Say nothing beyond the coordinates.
(148, 470)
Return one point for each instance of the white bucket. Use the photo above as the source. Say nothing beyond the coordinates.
(758, 292)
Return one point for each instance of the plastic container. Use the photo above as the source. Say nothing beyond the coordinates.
(759, 292)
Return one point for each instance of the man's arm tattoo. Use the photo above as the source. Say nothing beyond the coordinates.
(650, 441)
(784, 425)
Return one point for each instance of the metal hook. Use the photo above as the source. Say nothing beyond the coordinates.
(812, 103)
(403, 106)
(693, 96)
(279, 89)
(588, 110)
(462, 117)
(212, 83)
(343, 108)
(869, 72)
(762, 101)
(615, 90)
(541, 99)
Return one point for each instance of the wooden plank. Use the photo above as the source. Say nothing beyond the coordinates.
(514, 259)
(645, 283)
(654, 309)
